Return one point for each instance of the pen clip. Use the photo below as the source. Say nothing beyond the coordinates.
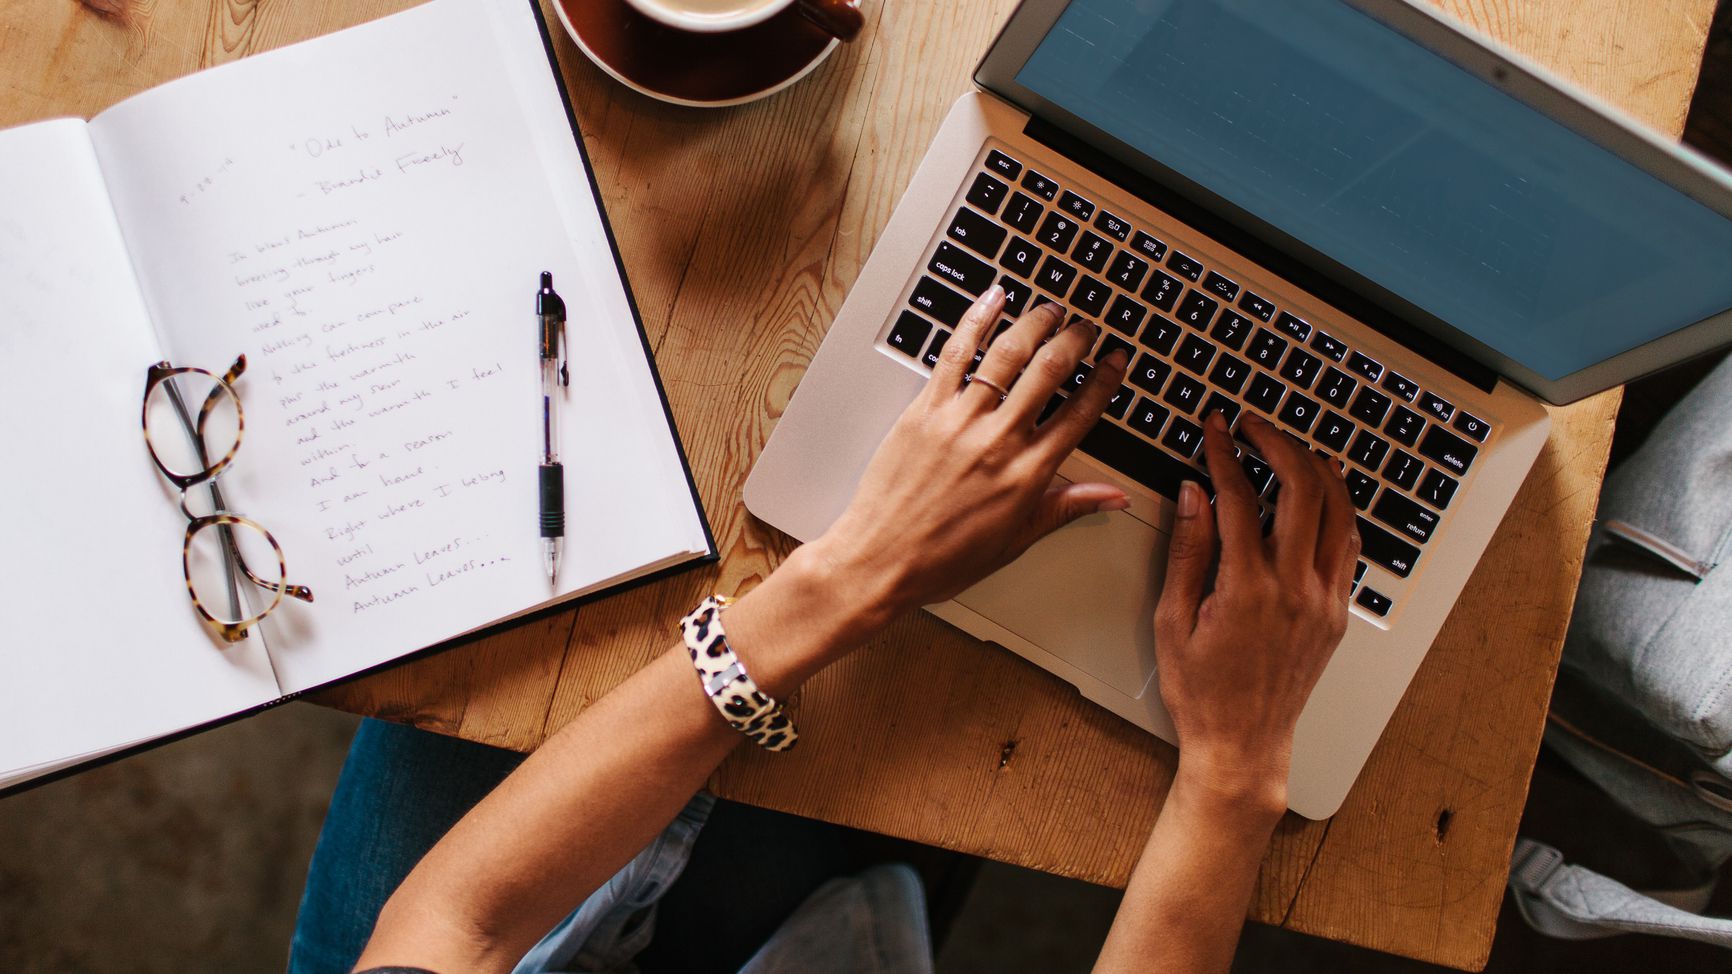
(564, 356)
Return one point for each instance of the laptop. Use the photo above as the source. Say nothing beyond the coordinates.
(1390, 237)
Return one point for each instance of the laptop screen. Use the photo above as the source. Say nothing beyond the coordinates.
(1402, 167)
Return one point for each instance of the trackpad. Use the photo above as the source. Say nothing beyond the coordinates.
(1085, 594)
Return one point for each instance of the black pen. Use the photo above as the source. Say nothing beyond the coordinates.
(555, 373)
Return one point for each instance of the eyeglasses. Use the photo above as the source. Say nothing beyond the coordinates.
(221, 548)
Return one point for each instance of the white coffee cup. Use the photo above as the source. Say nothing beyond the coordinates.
(839, 17)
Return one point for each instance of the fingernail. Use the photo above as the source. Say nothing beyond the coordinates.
(1253, 418)
(993, 295)
(1114, 504)
(1117, 359)
(1188, 500)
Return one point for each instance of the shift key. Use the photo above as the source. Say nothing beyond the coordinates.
(939, 302)
(952, 264)
(1386, 549)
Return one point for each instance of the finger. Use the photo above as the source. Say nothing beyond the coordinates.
(1349, 564)
(1301, 503)
(1010, 352)
(1061, 433)
(1188, 557)
(1064, 503)
(958, 355)
(1053, 364)
(1235, 498)
(1337, 523)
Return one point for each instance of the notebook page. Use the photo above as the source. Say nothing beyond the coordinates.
(101, 646)
(365, 216)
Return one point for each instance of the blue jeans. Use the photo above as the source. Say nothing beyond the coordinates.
(401, 789)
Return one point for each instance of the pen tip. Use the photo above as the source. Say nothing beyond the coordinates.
(546, 280)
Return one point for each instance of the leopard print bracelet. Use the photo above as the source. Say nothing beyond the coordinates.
(746, 708)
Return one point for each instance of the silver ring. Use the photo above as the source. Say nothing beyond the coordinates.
(1003, 393)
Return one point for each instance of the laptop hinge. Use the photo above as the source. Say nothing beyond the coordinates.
(1271, 257)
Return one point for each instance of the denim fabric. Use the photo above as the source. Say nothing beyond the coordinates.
(873, 923)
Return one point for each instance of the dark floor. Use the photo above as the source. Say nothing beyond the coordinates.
(191, 857)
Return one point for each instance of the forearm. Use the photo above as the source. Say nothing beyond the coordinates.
(1191, 889)
(599, 790)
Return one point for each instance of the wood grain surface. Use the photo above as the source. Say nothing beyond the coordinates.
(743, 230)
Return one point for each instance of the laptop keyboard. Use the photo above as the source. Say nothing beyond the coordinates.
(1199, 342)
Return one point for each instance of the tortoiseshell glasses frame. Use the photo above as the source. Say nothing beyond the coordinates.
(221, 519)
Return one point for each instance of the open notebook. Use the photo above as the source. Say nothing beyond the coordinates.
(365, 217)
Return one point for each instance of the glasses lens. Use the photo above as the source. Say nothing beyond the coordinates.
(217, 554)
(179, 409)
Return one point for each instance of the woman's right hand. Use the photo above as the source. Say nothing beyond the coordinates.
(1238, 661)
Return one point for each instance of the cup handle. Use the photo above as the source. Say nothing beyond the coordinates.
(839, 18)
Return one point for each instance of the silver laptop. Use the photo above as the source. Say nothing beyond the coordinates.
(1388, 236)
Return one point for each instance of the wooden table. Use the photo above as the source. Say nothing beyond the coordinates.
(743, 231)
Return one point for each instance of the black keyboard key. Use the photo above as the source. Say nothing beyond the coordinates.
(1112, 226)
(1369, 368)
(1187, 267)
(1332, 348)
(1231, 329)
(935, 348)
(1150, 374)
(1221, 287)
(1299, 412)
(1090, 296)
(1403, 470)
(1358, 573)
(1195, 354)
(1440, 409)
(1437, 489)
(1197, 310)
(1140, 460)
(1113, 343)
(1265, 392)
(977, 233)
(1076, 206)
(1161, 335)
(1120, 403)
(1258, 471)
(1148, 247)
(1361, 489)
(1125, 315)
(908, 335)
(1057, 231)
(1405, 516)
(1020, 258)
(1404, 426)
(1472, 425)
(1447, 450)
(951, 263)
(939, 302)
(1401, 385)
(1386, 549)
(1183, 437)
(1078, 376)
(1368, 450)
(1022, 212)
(1055, 277)
(1016, 294)
(1301, 368)
(1230, 374)
(1040, 185)
(1370, 406)
(1184, 393)
(1266, 348)
(1333, 431)
(987, 193)
(1218, 403)
(1297, 329)
(1162, 292)
(1149, 417)
(1336, 388)
(1093, 252)
(1257, 306)
(1002, 164)
(1128, 270)
(1374, 602)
